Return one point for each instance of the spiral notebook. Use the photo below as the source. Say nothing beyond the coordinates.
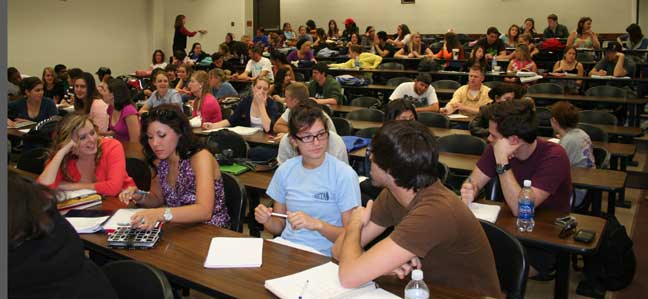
(322, 282)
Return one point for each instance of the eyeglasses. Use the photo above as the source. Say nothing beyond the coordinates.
(310, 138)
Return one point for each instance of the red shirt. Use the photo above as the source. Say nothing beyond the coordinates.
(548, 169)
(210, 110)
(110, 172)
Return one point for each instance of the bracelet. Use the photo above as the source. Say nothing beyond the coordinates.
(144, 196)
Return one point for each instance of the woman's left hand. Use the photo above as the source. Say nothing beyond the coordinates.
(147, 219)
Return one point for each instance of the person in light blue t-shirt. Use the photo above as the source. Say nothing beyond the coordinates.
(315, 190)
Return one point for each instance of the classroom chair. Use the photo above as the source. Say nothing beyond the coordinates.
(33, 160)
(235, 200)
(595, 133)
(367, 132)
(367, 102)
(510, 260)
(398, 80)
(136, 280)
(391, 66)
(342, 126)
(366, 114)
(598, 117)
(446, 84)
(140, 172)
(601, 157)
(433, 119)
(551, 88)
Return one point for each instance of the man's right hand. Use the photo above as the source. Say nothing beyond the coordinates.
(262, 214)
(468, 192)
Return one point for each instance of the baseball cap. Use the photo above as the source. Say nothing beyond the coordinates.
(349, 21)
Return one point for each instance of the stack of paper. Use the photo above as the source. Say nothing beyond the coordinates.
(74, 194)
(234, 253)
(121, 218)
(457, 116)
(321, 282)
(485, 212)
(85, 225)
(530, 78)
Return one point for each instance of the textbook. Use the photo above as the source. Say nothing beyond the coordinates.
(79, 199)
(322, 282)
(234, 253)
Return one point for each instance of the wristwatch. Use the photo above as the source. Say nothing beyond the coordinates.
(500, 169)
(167, 215)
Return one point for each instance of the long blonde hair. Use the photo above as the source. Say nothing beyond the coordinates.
(67, 128)
(411, 45)
(203, 79)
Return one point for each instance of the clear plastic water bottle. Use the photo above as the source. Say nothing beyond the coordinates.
(493, 63)
(416, 288)
(357, 64)
(525, 222)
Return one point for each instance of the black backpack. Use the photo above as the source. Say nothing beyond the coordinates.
(612, 266)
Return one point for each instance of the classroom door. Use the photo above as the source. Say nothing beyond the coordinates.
(266, 14)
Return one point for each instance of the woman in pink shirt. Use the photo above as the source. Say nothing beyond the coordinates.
(81, 159)
(204, 105)
(123, 122)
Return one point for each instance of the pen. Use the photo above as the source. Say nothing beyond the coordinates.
(279, 215)
(303, 291)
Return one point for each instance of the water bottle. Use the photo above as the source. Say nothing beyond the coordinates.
(525, 222)
(357, 64)
(494, 64)
(416, 288)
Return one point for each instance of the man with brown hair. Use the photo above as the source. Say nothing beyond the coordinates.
(555, 30)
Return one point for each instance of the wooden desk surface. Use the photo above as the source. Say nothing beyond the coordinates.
(183, 248)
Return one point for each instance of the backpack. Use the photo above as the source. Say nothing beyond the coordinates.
(552, 44)
(41, 135)
(613, 266)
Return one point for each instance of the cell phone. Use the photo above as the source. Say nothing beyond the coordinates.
(563, 221)
(584, 236)
(568, 229)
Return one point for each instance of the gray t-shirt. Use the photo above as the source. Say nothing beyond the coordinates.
(578, 146)
(171, 97)
(329, 122)
(336, 148)
(608, 66)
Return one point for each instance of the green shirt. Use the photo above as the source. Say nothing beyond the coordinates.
(331, 89)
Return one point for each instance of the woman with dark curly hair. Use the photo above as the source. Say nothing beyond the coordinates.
(187, 177)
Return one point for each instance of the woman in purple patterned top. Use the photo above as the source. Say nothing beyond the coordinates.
(187, 179)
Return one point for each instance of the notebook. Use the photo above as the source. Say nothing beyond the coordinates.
(234, 253)
(121, 218)
(87, 225)
(457, 116)
(67, 195)
(321, 282)
(78, 200)
(234, 168)
(23, 124)
(485, 212)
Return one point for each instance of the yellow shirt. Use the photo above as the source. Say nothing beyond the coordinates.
(462, 95)
(367, 61)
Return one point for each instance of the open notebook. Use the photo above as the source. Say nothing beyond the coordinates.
(485, 212)
(321, 282)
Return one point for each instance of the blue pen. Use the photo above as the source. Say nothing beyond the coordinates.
(303, 291)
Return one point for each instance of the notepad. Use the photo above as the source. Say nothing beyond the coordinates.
(67, 195)
(323, 283)
(87, 225)
(457, 116)
(234, 253)
(485, 212)
(121, 217)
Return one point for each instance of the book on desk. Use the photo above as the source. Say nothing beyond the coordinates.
(78, 199)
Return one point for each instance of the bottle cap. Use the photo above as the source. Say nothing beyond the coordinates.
(417, 274)
(527, 183)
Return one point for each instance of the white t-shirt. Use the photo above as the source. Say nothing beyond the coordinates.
(406, 91)
(406, 38)
(255, 68)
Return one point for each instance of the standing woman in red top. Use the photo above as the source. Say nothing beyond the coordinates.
(81, 159)
(205, 104)
(181, 33)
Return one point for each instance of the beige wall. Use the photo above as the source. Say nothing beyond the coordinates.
(79, 33)
(121, 34)
(466, 16)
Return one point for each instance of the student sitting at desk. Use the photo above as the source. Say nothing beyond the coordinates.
(324, 89)
(257, 66)
(315, 190)
(205, 104)
(614, 63)
(257, 110)
(296, 94)
(162, 94)
(577, 144)
(554, 30)
(81, 159)
(187, 177)
(33, 107)
(414, 49)
(521, 62)
(584, 37)
(359, 59)
(382, 47)
(510, 39)
(88, 100)
(123, 121)
(450, 43)
(515, 154)
(500, 93)
(468, 98)
(219, 87)
(419, 92)
(569, 65)
(45, 255)
(303, 52)
(432, 229)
